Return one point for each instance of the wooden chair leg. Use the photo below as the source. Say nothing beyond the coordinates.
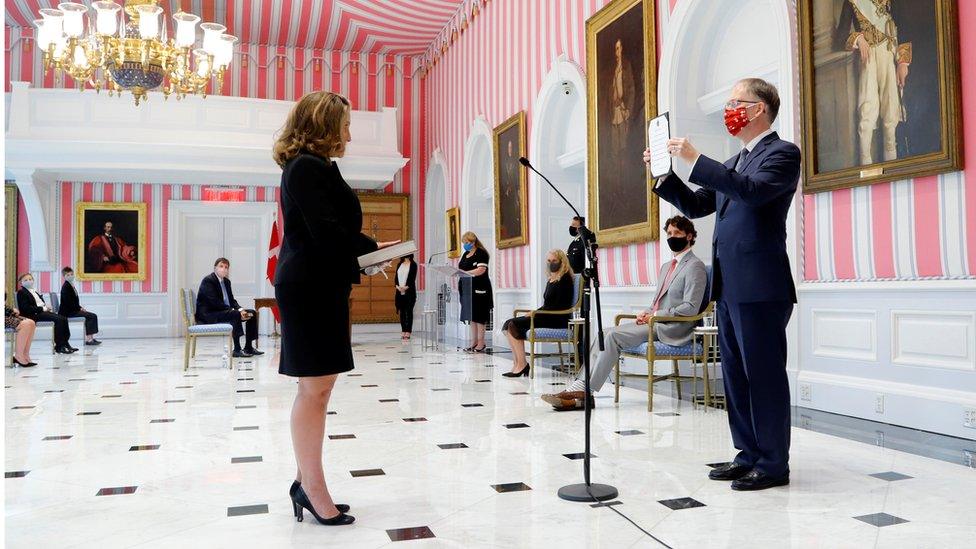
(193, 348)
(650, 385)
(186, 353)
(230, 354)
(562, 364)
(677, 377)
(616, 382)
(532, 358)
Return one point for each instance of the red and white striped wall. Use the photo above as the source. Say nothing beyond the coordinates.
(156, 197)
(495, 69)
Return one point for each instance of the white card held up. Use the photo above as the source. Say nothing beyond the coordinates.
(658, 133)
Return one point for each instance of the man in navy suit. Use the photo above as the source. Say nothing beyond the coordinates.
(216, 305)
(751, 279)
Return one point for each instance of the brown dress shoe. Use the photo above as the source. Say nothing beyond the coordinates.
(567, 400)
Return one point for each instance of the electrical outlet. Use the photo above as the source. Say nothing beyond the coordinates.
(969, 417)
(806, 392)
(879, 403)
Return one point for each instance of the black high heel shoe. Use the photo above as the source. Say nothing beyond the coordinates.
(522, 373)
(24, 364)
(342, 507)
(301, 502)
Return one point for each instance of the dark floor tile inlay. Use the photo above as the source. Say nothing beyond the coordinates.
(396, 369)
(473, 405)
(77, 379)
(331, 413)
(245, 390)
(55, 391)
(171, 401)
(414, 419)
(245, 379)
(247, 459)
(441, 389)
(516, 425)
(454, 446)
(578, 456)
(880, 519)
(421, 377)
(629, 432)
(519, 393)
(247, 428)
(666, 414)
(15, 474)
(247, 510)
(58, 437)
(681, 503)
(144, 447)
(406, 534)
(367, 473)
(511, 487)
(21, 407)
(389, 400)
(121, 490)
(482, 381)
(341, 437)
(165, 420)
(246, 406)
(890, 476)
(185, 387)
(88, 413)
(368, 385)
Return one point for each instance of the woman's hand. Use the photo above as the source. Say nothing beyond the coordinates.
(478, 272)
(381, 245)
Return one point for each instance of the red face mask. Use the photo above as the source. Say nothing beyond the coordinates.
(735, 120)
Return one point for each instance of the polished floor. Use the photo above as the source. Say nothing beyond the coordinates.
(118, 447)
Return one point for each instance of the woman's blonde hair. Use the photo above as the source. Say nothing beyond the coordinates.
(314, 125)
(564, 267)
(471, 237)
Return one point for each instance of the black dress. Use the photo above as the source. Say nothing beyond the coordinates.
(557, 297)
(317, 266)
(482, 300)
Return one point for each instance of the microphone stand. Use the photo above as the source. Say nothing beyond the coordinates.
(586, 491)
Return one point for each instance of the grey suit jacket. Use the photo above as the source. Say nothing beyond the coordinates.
(683, 297)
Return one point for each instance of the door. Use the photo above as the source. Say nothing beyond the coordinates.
(386, 217)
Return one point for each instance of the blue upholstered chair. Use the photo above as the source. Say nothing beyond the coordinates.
(193, 330)
(663, 351)
(559, 336)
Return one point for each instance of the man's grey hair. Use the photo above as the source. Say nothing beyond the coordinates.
(766, 93)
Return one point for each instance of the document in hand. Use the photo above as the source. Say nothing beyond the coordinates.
(388, 254)
(658, 133)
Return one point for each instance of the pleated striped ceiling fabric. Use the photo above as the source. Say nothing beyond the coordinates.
(399, 27)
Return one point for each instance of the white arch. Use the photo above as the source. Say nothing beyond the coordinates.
(477, 187)
(436, 198)
(550, 152)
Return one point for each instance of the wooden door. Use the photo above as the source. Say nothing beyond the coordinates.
(385, 217)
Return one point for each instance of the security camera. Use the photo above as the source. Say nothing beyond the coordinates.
(567, 88)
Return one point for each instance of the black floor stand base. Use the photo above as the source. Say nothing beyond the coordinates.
(582, 492)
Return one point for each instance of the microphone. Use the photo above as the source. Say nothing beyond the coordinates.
(432, 256)
(525, 162)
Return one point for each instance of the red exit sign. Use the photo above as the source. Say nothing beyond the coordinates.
(224, 194)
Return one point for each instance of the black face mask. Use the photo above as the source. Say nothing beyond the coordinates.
(573, 231)
(553, 267)
(677, 243)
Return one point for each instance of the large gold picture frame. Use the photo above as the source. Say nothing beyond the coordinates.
(621, 100)
(10, 243)
(849, 107)
(511, 184)
(96, 258)
(452, 224)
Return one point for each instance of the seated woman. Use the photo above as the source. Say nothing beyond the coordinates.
(557, 297)
(25, 334)
(32, 306)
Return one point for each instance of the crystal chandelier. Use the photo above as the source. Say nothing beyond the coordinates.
(127, 49)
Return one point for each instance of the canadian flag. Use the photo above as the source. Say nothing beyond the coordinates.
(273, 248)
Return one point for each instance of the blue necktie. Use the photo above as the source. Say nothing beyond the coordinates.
(223, 290)
(743, 154)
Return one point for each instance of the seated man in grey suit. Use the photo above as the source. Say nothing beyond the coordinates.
(680, 293)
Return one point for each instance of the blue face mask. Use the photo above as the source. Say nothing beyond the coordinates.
(468, 246)
(27, 284)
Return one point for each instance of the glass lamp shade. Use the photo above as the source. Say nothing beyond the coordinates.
(225, 51)
(203, 62)
(43, 35)
(79, 58)
(186, 29)
(211, 36)
(106, 17)
(74, 18)
(53, 23)
(149, 21)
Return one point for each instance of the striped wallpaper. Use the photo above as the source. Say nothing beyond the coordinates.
(157, 199)
(478, 75)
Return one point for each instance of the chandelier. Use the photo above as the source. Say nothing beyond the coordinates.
(127, 48)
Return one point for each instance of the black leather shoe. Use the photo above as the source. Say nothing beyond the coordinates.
(63, 350)
(732, 471)
(293, 492)
(93, 342)
(242, 354)
(755, 480)
(72, 349)
(252, 351)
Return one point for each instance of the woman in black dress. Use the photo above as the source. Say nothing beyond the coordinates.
(317, 267)
(558, 296)
(405, 294)
(474, 261)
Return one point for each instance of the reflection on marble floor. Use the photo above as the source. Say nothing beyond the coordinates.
(119, 447)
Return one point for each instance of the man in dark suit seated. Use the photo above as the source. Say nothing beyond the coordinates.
(70, 307)
(216, 305)
(751, 194)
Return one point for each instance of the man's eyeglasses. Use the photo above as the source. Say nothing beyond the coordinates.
(735, 103)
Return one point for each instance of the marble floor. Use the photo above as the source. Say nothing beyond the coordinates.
(118, 447)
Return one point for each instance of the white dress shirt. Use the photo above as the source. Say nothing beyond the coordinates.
(402, 273)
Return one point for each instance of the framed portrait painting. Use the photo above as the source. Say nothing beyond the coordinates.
(453, 226)
(881, 91)
(111, 240)
(621, 100)
(511, 196)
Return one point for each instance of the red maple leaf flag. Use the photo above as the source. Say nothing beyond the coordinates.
(273, 247)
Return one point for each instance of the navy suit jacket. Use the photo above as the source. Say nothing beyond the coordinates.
(210, 300)
(749, 259)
